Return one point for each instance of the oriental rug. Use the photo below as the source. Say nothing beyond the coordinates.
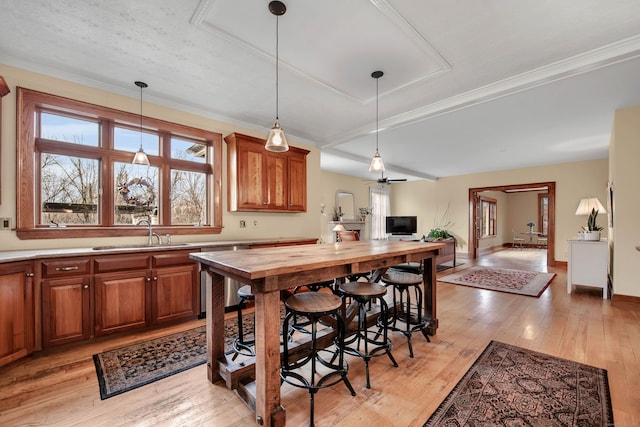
(133, 366)
(512, 386)
(520, 282)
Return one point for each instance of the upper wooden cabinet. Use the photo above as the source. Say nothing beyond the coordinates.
(259, 180)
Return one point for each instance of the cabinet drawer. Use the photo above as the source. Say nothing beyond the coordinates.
(171, 258)
(66, 267)
(115, 263)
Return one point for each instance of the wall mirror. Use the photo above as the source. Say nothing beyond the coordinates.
(345, 203)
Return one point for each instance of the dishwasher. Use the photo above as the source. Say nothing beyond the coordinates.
(230, 286)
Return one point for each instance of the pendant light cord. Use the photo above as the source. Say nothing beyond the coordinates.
(377, 125)
(277, 61)
(141, 116)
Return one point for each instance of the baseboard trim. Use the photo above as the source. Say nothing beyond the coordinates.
(625, 301)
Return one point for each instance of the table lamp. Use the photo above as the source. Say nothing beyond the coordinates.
(590, 206)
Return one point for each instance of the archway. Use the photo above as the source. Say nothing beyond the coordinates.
(474, 223)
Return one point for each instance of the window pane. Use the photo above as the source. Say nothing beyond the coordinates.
(188, 150)
(129, 140)
(60, 128)
(188, 197)
(136, 193)
(69, 190)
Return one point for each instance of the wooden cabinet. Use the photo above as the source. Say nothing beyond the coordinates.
(587, 264)
(17, 313)
(137, 291)
(66, 310)
(175, 291)
(259, 180)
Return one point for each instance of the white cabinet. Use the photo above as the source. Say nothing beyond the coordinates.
(588, 264)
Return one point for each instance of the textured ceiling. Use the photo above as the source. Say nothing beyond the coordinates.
(468, 87)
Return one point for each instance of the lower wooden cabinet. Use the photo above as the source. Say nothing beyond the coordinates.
(105, 294)
(66, 310)
(122, 301)
(17, 312)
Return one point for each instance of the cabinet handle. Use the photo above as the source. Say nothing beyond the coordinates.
(86, 286)
(148, 279)
(155, 278)
(75, 267)
(30, 274)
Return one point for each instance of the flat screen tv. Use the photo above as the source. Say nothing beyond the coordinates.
(402, 225)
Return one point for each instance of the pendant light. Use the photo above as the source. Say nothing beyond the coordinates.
(277, 141)
(377, 165)
(141, 157)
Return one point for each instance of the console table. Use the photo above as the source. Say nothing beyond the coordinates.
(588, 264)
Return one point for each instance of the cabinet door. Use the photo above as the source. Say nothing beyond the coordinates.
(17, 324)
(175, 293)
(277, 180)
(121, 301)
(297, 182)
(253, 192)
(66, 310)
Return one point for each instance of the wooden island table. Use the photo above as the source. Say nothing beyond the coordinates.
(270, 270)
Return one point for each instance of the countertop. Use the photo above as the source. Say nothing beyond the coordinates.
(31, 254)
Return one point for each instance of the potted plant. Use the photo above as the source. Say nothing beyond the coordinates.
(531, 225)
(591, 231)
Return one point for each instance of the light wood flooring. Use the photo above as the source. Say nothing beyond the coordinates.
(59, 387)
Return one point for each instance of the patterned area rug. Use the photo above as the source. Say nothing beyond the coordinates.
(501, 279)
(512, 386)
(133, 366)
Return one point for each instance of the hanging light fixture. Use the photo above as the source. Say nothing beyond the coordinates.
(377, 165)
(277, 141)
(141, 157)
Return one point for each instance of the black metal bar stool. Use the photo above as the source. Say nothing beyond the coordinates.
(404, 311)
(314, 305)
(299, 325)
(241, 346)
(366, 343)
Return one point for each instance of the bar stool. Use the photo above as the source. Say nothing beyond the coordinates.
(411, 314)
(314, 305)
(366, 343)
(300, 325)
(241, 346)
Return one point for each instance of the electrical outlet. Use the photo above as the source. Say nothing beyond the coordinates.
(255, 224)
(5, 223)
(243, 223)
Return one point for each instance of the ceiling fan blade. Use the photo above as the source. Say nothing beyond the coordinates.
(397, 180)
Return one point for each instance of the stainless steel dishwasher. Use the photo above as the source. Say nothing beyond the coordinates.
(230, 286)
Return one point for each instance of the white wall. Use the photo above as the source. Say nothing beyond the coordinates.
(574, 181)
(625, 176)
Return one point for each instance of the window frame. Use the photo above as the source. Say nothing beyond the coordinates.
(28, 176)
(493, 202)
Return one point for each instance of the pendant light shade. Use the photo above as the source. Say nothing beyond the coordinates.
(276, 141)
(377, 165)
(140, 157)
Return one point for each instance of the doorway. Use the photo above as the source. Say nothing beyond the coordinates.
(475, 214)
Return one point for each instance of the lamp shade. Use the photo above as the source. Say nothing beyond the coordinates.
(377, 165)
(339, 227)
(276, 141)
(587, 205)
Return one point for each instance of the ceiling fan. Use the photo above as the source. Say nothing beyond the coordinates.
(385, 180)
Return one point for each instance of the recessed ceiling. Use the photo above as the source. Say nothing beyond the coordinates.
(468, 86)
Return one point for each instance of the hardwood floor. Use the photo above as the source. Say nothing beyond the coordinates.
(59, 387)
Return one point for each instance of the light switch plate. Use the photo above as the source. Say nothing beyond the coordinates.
(5, 223)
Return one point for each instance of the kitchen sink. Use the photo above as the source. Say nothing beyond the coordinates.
(110, 247)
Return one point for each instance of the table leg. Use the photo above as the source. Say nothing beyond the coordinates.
(215, 323)
(429, 282)
(269, 411)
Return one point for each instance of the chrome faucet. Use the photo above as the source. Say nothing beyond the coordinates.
(147, 222)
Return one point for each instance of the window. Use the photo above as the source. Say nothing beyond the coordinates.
(76, 178)
(488, 207)
(543, 214)
(380, 209)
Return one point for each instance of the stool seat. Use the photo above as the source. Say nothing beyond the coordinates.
(313, 303)
(363, 289)
(245, 292)
(402, 278)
